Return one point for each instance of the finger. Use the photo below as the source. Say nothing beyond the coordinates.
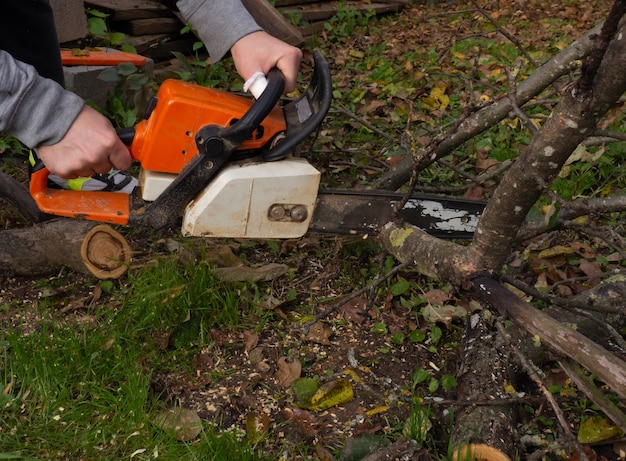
(120, 157)
(289, 66)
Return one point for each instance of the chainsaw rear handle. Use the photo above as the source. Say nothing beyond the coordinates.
(215, 145)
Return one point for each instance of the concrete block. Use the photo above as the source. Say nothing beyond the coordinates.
(70, 19)
(84, 81)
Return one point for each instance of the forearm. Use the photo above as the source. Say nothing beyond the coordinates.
(35, 110)
(219, 23)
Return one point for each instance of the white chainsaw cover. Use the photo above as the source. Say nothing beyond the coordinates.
(256, 200)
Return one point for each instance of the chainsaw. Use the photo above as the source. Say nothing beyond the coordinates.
(224, 164)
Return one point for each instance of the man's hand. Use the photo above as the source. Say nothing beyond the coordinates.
(90, 146)
(259, 51)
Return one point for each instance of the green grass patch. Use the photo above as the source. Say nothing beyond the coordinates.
(84, 392)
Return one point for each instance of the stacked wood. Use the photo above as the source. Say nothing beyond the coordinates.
(153, 26)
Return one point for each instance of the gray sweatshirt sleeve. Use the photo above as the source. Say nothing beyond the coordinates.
(36, 110)
(219, 23)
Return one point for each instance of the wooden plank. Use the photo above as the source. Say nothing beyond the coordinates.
(322, 11)
(150, 26)
(160, 46)
(273, 22)
(280, 3)
(124, 10)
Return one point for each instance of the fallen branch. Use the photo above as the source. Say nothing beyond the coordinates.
(46, 248)
(556, 337)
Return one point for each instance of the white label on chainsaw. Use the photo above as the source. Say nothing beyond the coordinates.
(447, 219)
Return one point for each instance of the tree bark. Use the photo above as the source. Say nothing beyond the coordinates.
(573, 119)
(46, 248)
(486, 366)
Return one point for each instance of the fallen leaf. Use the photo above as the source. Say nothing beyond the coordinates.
(224, 257)
(185, 424)
(437, 99)
(332, 394)
(257, 426)
(304, 421)
(319, 333)
(437, 296)
(352, 311)
(250, 340)
(591, 268)
(203, 363)
(597, 429)
(289, 369)
(304, 389)
(479, 452)
(475, 193)
(251, 274)
(445, 314)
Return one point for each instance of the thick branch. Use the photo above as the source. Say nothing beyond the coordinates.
(572, 120)
(435, 258)
(485, 118)
(83, 246)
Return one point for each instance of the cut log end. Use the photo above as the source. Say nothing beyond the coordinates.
(105, 253)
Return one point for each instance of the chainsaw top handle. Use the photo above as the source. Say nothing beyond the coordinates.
(215, 145)
(305, 114)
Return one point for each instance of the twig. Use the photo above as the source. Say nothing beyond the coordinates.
(516, 108)
(569, 303)
(502, 31)
(326, 312)
(583, 383)
(344, 110)
(532, 373)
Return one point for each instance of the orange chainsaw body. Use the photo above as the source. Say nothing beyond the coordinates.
(165, 141)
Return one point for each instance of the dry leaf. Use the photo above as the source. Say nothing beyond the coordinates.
(251, 274)
(332, 394)
(289, 369)
(591, 268)
(184, 423)
(250, 340)
(445, 314)
(304, 420)
(479, 452)
(203, 363)
(319, 333)
(352, 311)
(437, 296)
(257, 426)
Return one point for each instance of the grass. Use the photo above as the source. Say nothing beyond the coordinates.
(73, 392)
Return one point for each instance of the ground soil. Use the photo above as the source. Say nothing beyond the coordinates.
(343, 344)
